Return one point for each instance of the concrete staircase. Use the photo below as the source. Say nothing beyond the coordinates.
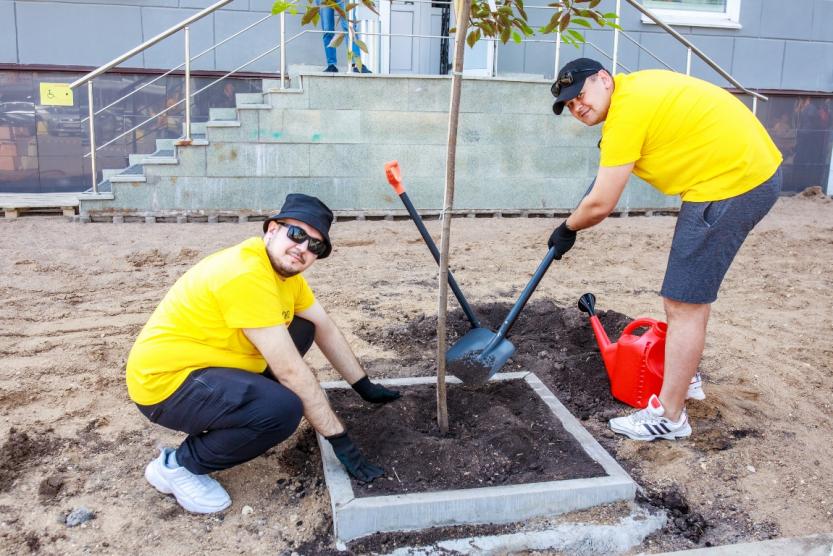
(332, 136)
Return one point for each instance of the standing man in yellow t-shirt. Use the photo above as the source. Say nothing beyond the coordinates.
(221, 359)
(685, 137)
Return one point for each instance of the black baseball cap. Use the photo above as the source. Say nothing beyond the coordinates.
(571, 79)
(309, 210)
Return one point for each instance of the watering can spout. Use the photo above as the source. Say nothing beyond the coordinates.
(587, 304)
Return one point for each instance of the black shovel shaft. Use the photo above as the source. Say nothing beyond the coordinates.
(435, 252)
(521, 302)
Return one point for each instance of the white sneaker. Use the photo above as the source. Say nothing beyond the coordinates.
(196, 493)
(649, 423)
(695, 388)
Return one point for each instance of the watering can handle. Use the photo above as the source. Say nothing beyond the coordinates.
(394, 176)
(639, 323)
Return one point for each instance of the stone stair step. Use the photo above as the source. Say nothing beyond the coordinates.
(197, 128)
(155, 160)
(248, 98)
(128, 178)
(223, 123)
(254, 106)
(167, 144)
(222, 114)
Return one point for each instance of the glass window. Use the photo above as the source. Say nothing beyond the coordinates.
(697, 13)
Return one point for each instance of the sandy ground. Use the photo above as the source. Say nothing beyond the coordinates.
(75, 296)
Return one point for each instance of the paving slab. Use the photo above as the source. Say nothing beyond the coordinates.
(355, 517)
(811, 545)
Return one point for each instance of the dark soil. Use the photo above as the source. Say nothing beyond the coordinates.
(21, 452)
(556, 343)
(499, 434)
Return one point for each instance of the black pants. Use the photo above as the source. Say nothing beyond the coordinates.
(231, 415)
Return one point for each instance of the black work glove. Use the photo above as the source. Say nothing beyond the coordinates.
(353, 460)
(562, 238)
(374, 393)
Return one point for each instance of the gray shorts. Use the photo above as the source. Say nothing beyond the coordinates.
(707, 237)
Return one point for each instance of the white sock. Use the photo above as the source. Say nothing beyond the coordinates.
(170, 461)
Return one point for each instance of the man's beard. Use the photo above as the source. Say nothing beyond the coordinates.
(281, 270)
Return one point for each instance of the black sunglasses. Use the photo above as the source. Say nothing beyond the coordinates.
(297, 234)
(568, 79)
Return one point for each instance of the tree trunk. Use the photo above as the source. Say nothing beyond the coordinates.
(462, 12)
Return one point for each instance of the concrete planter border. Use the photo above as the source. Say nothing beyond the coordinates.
(357, 517)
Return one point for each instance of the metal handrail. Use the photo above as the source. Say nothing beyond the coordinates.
(157, 78)
(198, 91)
(148, 43)
(654, 56)
(714, 65)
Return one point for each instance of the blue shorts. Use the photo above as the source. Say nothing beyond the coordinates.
(707, 238)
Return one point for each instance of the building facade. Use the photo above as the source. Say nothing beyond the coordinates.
(782, 50)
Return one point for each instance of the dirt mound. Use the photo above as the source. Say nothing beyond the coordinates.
(556, 343)
(690, 524)
(21, 451)
(815, 192)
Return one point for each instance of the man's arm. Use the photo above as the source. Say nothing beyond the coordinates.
(602, 199)
(335, 348)
(593, 208)
(333, 344)
(276, 346)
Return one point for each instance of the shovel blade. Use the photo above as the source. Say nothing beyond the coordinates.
(471, 362)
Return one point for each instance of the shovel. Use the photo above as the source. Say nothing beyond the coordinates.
(478, 355)
(395, 179)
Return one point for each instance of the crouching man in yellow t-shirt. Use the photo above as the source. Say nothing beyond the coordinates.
(221, 359)
(685, 137)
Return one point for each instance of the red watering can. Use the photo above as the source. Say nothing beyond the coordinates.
(636, 363)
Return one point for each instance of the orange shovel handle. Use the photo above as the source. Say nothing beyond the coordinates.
(394, 176)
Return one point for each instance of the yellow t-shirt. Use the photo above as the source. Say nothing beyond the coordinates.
(686, 137)
(199, 322)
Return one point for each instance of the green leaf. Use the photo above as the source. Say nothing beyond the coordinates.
(472, 38)
(505, 33)
(582, 22)
(516, 37)
(361, 45)
(337, 40)
(565, 21)
(575, 34)
(595, 3)
(370, 5)
(521, 10)
(280, 6)
(311, 13)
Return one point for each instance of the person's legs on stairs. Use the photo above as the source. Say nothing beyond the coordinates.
(328, 25)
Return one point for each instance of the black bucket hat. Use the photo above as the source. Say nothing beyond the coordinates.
(309, 210)
(571, 79)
